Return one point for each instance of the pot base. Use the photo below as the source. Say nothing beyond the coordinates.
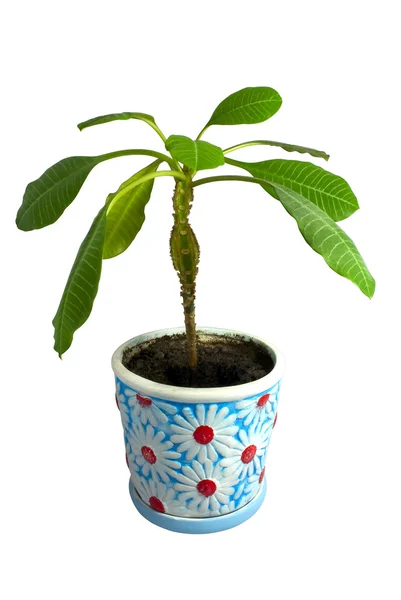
(198, 525)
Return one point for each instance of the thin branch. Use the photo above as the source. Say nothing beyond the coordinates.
(144, 152)
(283, 145)
(231, 178)
(202, 132)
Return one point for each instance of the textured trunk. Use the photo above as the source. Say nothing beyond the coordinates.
(185, 255)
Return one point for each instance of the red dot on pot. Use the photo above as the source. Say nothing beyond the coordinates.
(143, 401)
(206, 487)
(148, 455)
(261, 476)
(248, 454)
(275, 420)
(157, 504)
(263, 400)
(117, 402)
(203, 434)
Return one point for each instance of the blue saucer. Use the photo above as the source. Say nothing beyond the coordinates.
(199, 525)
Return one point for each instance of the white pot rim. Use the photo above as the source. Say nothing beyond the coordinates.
(190, 395)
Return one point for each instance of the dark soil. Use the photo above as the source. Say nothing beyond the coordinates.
(222, 361)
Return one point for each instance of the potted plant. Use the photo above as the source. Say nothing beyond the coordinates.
(198, 405)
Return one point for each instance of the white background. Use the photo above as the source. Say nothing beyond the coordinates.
(330, 524)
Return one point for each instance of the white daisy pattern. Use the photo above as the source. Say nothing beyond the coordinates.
(130, 458)
(233, 505)
(158, 496)
(148, 410)
(248, 456)
(196, 460)
(204, 487)
(206, 433)
(254, 482)
(259, 408)
(249, 488)
(121, 402)
(152, 452)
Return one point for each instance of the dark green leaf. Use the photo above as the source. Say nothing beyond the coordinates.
(126, 212)
(250, 105)
(327, 239)
(196, 155)
(46, 199)
(82, 285)
(124, 116)
(329, 192)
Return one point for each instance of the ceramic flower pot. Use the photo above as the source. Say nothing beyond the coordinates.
(197, 455)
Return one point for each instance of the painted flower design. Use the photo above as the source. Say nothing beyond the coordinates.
(202, 436)
(152, 453)
(248, 456)
(249, 488)
(254, 482)
(233, 505)
(118, 392)
(121, 402)
(204, 487)
(130, 458)
(148, 410)
(259, 408)
(157, 495)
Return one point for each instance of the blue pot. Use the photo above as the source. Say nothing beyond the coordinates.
(197, 455)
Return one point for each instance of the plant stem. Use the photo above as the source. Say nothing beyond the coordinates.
(202, 132)
(284, 146)
(231, 178)
(246, 144)
(185, 256)
(158, 130)
(144, 152)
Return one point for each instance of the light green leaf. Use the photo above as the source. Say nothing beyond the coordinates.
(126, 212)
(82, 285)
(196, 155)
(250, 105)
(46, 199)
(284, 146)
(329, 192)
(124, 116)
(327, 239)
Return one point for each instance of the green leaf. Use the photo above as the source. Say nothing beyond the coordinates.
(327, 239)
(124, 116)
(46, 199)
(329, 192)
(82, 285)
(196, 155)
(250, 105)
(284, 146)
(126, 212)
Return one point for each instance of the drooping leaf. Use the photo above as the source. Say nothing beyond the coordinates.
(249, 105)
(195, 154)
(126, 212)
(329, 192)
(284, 146)
(124, 116)
(82, 285)
(327, 239)
(46, 199)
